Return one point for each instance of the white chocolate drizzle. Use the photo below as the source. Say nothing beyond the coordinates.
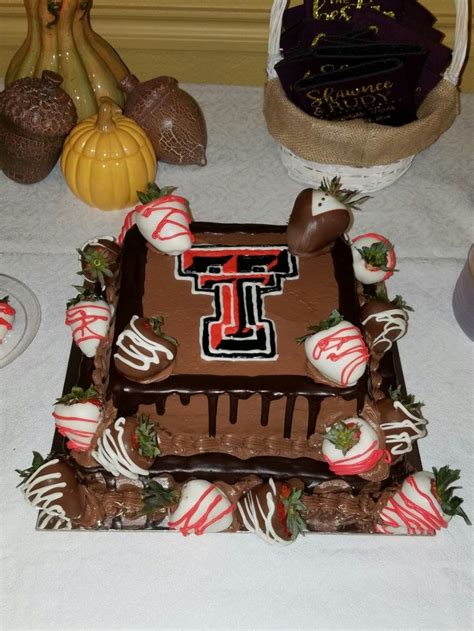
(58, 523)
(134, 356)
(415, 423)
(392, 320)
(45, 498)
(253, 510)
(112, 454)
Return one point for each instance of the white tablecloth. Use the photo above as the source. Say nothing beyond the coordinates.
(88, 580)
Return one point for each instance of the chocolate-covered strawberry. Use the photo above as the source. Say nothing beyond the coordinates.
(7, 317)
(50, 485)
(274, 511)
(422, 505)
(385, 321)
(77, 416)
(144, 353)
(99, 260)
(336, 349)
(401, 421)
(319, 216)
(128, 447)
(373, 257)
(88, 315)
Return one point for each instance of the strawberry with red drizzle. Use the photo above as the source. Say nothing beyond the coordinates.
(274, 511)
(99, 260)
(128, 447)
(77, 416)
(7, 317)
(145, 354)
(336, 351)
(89, 316)
(163, 218)
(351, 447)
(373, 257)
(422, 505)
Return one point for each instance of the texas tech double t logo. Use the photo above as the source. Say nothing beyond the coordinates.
(239, 278)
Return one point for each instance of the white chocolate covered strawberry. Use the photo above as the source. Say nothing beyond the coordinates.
(89, 318)
(373, 257)
(129, 447)
(351, 447)
(336, 348)
(163, 218)
(422, 505)
(203, 507)
(77, 416)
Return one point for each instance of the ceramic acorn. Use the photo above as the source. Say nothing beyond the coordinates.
(202, 508)
(351, 447)
(401, 421)
(163, 219)
(422, 505)
(50, 485)
(77, 416)
(88, 315)
(99, 260)
(385, 321)
(319, 216)
(373, 257)
(107, 158)
(7, 317)
(144, 353)
(170, 116)
(336, 349)
(274, 511)
(128, 447)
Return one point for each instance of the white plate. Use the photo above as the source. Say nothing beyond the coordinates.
(27, 318)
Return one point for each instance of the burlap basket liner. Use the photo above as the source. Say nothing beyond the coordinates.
(358, 143)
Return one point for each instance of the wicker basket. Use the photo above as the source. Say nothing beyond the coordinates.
(367, 156)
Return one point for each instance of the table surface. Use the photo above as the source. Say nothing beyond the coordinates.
(125, 580)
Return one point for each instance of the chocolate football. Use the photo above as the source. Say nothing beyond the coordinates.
(144, 353)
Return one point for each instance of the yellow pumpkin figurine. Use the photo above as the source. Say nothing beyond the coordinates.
(107, 158)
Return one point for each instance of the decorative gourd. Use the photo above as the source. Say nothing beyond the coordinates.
(60, 38)
(107, 158)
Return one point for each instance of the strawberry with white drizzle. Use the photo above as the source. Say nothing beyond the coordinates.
(129, 447)
(336, 349)
(373, 258)
(7, 317)
(274, 511)
(50, 485)
(385, 321)
(401, 421)
(203, 507)
(163, 218)
(77, 416)
(422, 505)
(144, 352)
(351, 447)
(88, 315)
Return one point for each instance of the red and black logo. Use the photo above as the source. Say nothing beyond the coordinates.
(239, 278)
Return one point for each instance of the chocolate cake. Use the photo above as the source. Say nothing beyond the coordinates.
(213, 402)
